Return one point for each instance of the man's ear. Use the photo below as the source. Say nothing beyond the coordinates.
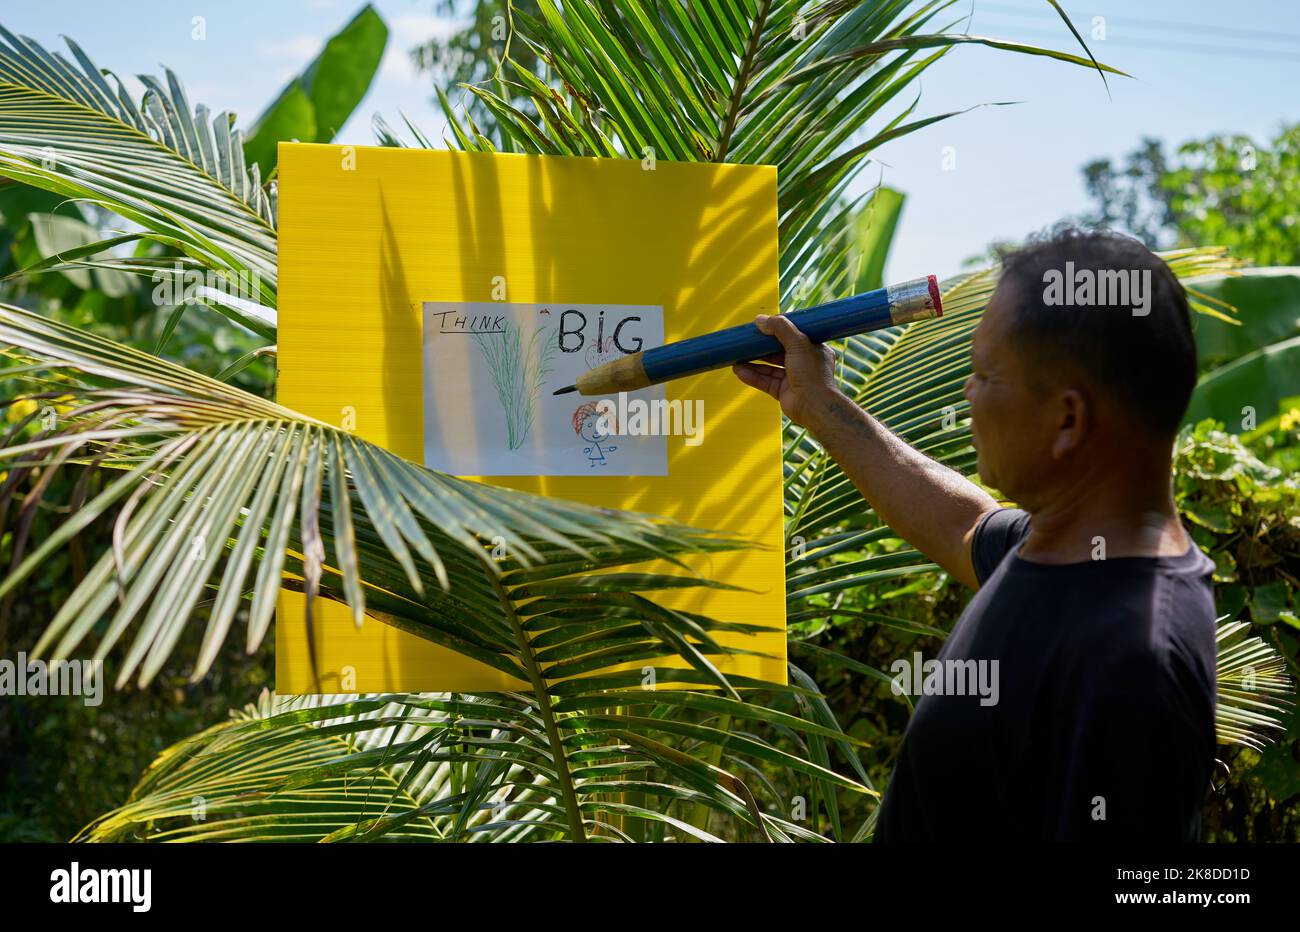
(1074, 420)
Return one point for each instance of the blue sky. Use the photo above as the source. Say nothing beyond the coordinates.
(1198, 68)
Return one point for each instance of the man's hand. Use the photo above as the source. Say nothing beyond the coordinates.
(802, 378)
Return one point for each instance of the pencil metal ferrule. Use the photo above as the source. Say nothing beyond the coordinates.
(914, 300)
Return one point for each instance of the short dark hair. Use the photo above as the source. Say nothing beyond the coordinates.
(1146, 361)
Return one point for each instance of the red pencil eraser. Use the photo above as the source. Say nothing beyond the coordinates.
(934, 295)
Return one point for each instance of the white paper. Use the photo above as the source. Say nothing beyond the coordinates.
(490, 370)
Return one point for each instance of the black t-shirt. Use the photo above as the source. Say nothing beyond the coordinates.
(1105, 690)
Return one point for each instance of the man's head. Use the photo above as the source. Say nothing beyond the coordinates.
(1084, 354)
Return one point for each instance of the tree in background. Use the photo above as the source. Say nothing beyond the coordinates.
(1223, 189)
(472, 55)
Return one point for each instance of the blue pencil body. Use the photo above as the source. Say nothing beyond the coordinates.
(872, 310)
(884, 307)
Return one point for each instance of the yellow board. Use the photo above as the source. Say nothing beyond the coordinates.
(368, 234)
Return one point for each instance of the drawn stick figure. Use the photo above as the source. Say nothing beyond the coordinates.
(590, 426)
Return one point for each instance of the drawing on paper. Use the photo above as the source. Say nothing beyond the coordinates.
(490, 369)
(600, 352)
(518, 368)
(588, 425)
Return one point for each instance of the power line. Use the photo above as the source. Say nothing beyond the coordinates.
(1267, 35)
(1173, 46)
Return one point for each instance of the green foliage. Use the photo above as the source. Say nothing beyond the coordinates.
(1246, 515)
(1274, 441)
(56, 234)
(473, 56)
(1226, 189)
(1241, 194)
(314, 105)
(1250, 388)
(1267, 305)
(813, 91)
(874, 227)
(72, 293)
(65, 762)
(1250, 356)
(178, 174)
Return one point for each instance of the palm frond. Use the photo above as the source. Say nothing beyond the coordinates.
(812, 90)
(221, 500)
(215, 787)
(178, 172)
(1252, 680)
(214, 472)
(457, 768)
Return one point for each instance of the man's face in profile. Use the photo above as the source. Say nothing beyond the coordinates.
(1012, 417)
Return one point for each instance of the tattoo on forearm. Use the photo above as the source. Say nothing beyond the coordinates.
(847, 412)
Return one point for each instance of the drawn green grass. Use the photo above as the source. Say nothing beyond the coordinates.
(518, 368)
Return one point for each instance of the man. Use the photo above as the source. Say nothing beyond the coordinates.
(1092, 598)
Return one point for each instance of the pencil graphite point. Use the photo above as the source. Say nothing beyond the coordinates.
(565, 390)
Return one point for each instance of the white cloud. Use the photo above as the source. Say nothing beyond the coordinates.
(289, 55)
(294, 49)
(404, 33)
(397, 68)
(413, 28)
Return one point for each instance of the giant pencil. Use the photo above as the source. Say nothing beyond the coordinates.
(873, 310)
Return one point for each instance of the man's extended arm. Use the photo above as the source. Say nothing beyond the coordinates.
(929, 505)
(932, 507)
